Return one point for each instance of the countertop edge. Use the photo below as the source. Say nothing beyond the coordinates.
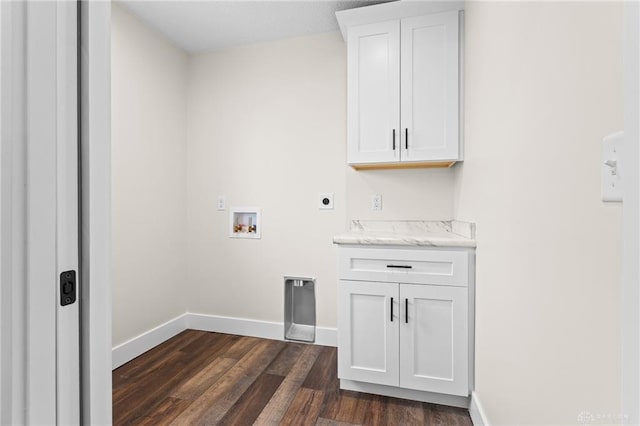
(408, 233)
(399, 242)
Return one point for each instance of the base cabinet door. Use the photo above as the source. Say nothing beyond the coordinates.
(434, 339)
(368, 332)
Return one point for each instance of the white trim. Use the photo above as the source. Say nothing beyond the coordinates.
(135, 347)
(393, 10)
(41, 125)
(95, 268)
(414, 395)
(68, 316)
(477, 413)
(461, 50)
(248, 327)
(5, 367)
(138, 345)
(13, 214)
(326, 336)
(630, 159)
(239, 326)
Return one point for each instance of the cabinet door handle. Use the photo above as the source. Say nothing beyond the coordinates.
(400, 266)
(394, 139)
(406, 311)
(406, 138)
(392, 309)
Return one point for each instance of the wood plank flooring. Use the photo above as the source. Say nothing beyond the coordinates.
(200, 378)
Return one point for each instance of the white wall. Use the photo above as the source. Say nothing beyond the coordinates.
(544, 84)
(148, 177)
(407, 194)
(267, 129)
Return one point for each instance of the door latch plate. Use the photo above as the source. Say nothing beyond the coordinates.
(67, 288)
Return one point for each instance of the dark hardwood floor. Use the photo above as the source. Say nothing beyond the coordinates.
(200, 378)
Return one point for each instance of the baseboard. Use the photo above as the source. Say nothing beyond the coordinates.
(255, 328)
(326, 336)
(132, 348)
(138, 345)
(239, 326)
(478, 416)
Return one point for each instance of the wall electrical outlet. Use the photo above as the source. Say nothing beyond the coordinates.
(376, 202)
(325, 201)
(222, 203)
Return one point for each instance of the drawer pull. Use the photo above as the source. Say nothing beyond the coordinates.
(400, 266)
(392, 309)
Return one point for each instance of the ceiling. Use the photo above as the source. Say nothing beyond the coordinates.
(199, 26)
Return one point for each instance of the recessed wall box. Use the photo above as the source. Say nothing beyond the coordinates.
(245, 222)
(300, 309)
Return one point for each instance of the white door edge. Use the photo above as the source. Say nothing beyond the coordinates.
(68, 316)
(95, 268)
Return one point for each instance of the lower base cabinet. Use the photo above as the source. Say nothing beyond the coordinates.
(409, 336)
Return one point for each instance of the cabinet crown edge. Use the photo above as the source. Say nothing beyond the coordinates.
(392, 10)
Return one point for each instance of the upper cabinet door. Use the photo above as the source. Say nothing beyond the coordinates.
(429, 84)
(374, 93)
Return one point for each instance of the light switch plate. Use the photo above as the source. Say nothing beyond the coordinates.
(221, 204)
(610, 167)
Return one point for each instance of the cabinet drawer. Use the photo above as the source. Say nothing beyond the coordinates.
(443, 267)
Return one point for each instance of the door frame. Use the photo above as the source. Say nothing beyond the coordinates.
(12, 215)
(26, 286)
(95, 200)
(39, 340)
(631, 218)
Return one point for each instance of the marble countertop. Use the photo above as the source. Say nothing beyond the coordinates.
(449, 233)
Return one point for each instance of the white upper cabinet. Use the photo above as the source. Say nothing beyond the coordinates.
(374, 93)
(429, 87)
(403, 88)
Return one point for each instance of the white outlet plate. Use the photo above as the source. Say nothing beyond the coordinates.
(376, 202)
(325, 200)
(610, 167)
(221, 203)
